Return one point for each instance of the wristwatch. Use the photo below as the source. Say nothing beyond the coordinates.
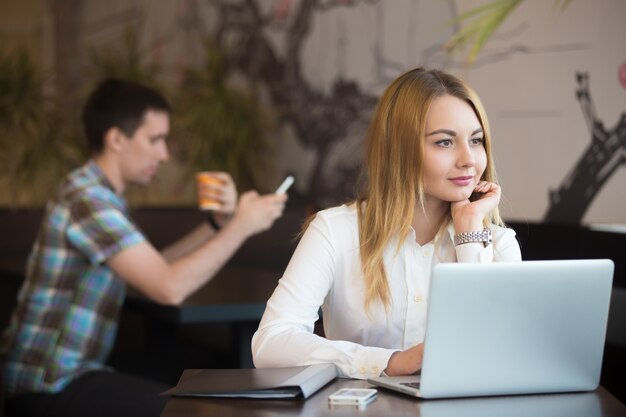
(484, 236)
(210, 218)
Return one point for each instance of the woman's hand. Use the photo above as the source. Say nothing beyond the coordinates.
(406, 362)
(467, 215)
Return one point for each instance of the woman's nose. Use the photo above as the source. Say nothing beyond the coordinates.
(466, 157)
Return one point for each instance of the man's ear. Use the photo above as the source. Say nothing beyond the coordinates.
(114, 140)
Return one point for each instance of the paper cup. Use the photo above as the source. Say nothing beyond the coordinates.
(202, 179)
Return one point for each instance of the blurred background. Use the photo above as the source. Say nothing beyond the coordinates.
(268, 88)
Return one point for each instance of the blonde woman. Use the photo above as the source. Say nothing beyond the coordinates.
(431, 196)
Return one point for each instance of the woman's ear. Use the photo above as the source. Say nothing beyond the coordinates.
(114, 140)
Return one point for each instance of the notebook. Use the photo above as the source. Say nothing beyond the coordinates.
(273, 383)
(512, 328)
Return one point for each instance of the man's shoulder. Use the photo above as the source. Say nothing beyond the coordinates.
(84, 185)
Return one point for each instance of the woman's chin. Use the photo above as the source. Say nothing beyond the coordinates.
(461, 196)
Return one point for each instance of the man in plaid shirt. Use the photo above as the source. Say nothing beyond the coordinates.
(88, 249)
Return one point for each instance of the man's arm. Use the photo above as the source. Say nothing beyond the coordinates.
(143, 267)
(187, 244)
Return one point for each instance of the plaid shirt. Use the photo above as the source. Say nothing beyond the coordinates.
(66, 317)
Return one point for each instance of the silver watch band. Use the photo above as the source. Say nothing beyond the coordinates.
(484, 236)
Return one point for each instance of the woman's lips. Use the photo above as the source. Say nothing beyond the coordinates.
(462, 181)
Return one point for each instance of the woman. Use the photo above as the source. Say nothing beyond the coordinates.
(431, 196)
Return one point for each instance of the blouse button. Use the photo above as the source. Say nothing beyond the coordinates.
(363, 369)
(418, 299)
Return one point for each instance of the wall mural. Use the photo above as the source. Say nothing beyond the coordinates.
(332, 124)
(320, 65)
(604, 155)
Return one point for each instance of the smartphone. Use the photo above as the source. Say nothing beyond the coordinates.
(352, 396)
(282, 188)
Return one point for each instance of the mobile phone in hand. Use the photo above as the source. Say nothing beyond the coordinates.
(282, 188)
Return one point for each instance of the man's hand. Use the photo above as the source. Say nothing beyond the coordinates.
(222, 191)
(256, 213)
(406, 362)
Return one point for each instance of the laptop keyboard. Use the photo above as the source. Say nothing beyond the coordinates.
(415, 385)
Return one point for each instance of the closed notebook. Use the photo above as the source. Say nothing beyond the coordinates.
(282, 383)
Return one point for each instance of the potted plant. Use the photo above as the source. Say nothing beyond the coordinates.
(220, 127)
(23, 110)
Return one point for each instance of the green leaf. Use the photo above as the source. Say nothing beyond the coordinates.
(479, 24)
(562, 4)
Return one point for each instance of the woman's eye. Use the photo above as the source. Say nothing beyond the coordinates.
(477, 141)
(444, 143)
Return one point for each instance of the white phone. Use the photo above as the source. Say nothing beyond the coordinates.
(352, 396)
(282, 188)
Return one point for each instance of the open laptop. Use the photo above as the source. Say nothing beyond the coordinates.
(512, 328)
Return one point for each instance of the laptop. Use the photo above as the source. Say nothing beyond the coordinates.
(512, 328)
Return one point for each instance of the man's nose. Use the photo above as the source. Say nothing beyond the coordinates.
(164, 154)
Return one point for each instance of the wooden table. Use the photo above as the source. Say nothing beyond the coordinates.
(237, 296)
(599, 403)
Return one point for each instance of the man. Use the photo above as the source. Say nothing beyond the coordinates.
(88, 249)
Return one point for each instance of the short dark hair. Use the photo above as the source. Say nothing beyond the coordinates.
(121, 104)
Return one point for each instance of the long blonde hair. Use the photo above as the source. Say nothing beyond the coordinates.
(393, 168)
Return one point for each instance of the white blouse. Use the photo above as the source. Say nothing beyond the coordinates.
(325, 271)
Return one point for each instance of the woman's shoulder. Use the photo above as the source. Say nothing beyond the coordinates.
(339, 214)
(337, 225)
(337, 220)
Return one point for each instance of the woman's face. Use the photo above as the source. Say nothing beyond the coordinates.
(454, 152)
